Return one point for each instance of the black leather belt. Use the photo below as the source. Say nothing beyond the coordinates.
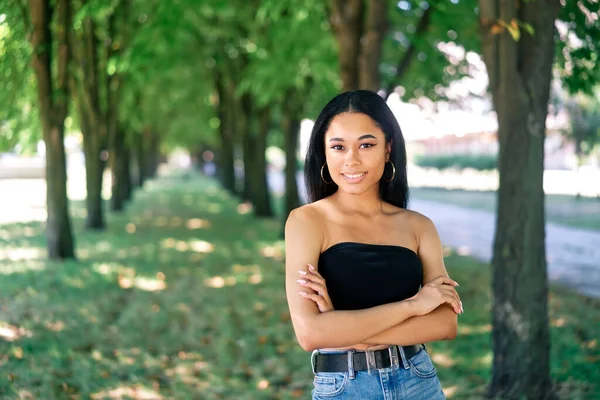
(338, 362)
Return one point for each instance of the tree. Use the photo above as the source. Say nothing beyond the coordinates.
(359, 27)
(89, 80)
(520, 40)
(520, 70)
(53, 94)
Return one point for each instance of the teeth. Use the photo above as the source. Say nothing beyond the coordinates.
(354, 176)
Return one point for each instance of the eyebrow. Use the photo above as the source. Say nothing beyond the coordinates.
(367, 136)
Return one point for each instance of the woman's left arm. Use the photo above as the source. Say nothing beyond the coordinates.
(441, 323)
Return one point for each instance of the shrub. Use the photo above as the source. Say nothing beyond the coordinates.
(480, 162)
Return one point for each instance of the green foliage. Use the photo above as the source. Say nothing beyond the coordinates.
(431, 71)
(19, 121)
(295, 52)
(480, 162)
(577, 38)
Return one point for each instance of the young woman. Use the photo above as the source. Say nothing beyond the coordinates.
(365, 277)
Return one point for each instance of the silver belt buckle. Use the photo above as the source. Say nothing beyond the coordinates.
(394, 355)
(370, 358)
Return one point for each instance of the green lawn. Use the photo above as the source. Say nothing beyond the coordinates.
(561, 209)
(183, 298)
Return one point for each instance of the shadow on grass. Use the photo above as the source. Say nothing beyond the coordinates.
(183, 297)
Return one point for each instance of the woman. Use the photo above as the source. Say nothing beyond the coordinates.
(365, 277)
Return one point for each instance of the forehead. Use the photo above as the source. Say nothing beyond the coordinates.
(352, 125)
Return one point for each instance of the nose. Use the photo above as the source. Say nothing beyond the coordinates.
(352, 159)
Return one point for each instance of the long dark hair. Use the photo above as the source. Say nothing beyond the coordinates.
(371, 104)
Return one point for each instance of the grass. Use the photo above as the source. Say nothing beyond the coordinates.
(182, 297)
(567, 210)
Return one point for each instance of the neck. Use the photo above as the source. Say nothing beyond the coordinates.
(367, 204)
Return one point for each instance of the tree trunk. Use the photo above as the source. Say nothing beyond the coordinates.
(359, 27)
(126, 179)
(247, 132)
(93, 173)
(93, 120)
(371, 44)
(139, 169)
(261, 197)
(225, 158)
(153, 156)
(53, 111)
(118, 169)
(520, 74)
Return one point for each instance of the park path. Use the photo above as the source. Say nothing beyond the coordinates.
(573, 254)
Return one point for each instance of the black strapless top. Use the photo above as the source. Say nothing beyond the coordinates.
(361, 275)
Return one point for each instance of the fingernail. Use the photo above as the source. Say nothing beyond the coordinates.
(302, 293)
(302, 272)
(456, 283)
(311, 267)
(301, 281)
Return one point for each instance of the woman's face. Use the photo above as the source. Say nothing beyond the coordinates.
(356, 152)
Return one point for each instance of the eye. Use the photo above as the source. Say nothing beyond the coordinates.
(367, 145)
(337, 147)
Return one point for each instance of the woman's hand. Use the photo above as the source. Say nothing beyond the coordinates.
(435, 293)
(313, 280)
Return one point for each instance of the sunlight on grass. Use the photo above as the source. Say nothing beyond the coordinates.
(197, 223)
(137, 392)
(450, 391)
(464, 329)
(485, 361)
(272, 252)
(22, 253)
(10, 333)
(21, 267)
(244, 208)
(443, 359)
(198, 246)
(146, 284)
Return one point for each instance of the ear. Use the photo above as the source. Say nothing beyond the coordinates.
(388, 148)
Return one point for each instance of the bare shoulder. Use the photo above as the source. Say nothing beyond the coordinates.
(307, 218)
(419, 222)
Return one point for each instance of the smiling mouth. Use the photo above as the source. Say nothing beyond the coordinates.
(354, 176)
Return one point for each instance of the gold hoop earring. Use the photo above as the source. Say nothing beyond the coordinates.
(322, 178)
(393, 172)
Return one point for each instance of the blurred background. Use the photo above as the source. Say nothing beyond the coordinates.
(150, 153)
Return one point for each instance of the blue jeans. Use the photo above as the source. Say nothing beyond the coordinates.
(413, 379)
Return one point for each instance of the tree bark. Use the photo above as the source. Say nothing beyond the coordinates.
(371, 43)
(346, 19)
(261, 197)
(93, 171)
(139, 169)
(359, 27)
(53, 111)
(246, 130)
(126, 179)
(93, 120)
(520, 74)
(225, 156)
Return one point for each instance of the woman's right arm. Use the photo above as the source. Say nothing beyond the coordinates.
(334, 329)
